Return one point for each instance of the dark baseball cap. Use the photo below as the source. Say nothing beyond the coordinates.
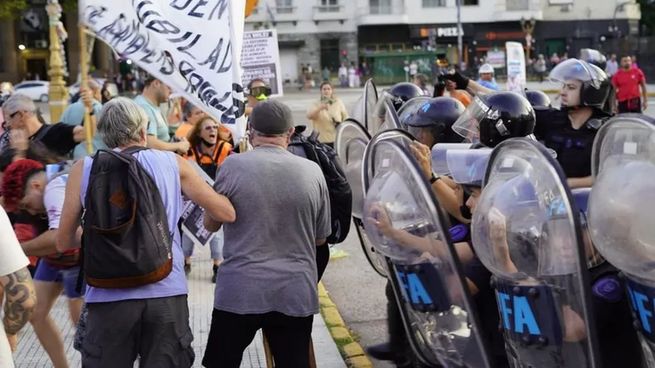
(271, 117)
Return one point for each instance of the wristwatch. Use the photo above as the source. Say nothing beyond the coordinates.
(434, 178)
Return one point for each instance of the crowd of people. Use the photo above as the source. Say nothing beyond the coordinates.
(60, 201)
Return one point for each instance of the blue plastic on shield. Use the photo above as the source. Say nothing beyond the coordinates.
(468, 167)
(458, 232)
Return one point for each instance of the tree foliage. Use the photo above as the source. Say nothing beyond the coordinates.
(647, 22)
(11, 8)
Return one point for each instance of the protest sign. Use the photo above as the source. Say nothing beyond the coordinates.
(194, 46)
(260, 59)
(192, 215)
(496, 58)
(516, 74)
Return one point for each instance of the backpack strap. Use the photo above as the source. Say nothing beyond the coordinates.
(133, 149)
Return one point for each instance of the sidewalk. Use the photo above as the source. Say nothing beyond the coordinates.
(30, 354)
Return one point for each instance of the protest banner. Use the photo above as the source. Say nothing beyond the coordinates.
(193, 46)
(192, 215)
(496, 58)
(516, 74)
(260, 59)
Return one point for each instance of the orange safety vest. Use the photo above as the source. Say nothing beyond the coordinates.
(210, 163)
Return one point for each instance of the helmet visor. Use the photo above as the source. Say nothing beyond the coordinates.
(468, 124)
(574, 69)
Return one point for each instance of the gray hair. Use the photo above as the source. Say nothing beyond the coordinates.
(18, 102)
(122, 122)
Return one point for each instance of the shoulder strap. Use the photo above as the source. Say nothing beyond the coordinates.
(218, 151)
(196, 154)
(133, 149)
(41, 132)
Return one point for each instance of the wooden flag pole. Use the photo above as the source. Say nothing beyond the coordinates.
(84, 83)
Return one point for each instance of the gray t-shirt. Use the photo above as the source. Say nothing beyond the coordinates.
(282, 207)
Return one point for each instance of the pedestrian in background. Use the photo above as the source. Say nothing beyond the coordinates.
(612, 66)
(630, 85)
(327, 113)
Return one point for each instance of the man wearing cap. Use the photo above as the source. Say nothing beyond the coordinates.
(269, 276)
(487, 80)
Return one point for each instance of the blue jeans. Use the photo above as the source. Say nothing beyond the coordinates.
(215, 245)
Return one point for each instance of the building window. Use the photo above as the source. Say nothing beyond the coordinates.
(380, 6)
(433, 3)
(329, 6)
(470, 2)
(284, 6)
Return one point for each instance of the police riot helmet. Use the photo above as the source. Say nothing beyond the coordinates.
(596, 84)
(400, 93)
(493, 118)
(538, 99)
(594, 57)
(438, 114)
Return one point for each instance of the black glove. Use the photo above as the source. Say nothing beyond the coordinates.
(461, 81)
(439, 87)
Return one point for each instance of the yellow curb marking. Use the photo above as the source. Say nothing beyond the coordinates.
(350, 350)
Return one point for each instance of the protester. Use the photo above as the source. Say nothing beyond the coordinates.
(16, 290)
(22, 119)
(343, 75)
(612, 66)
(352, 75)
(421, 80)
(149, 321)
(630, 85)
(155, 92)
(487, 79)
(413, 69)
(208, 149)
(74, 116)
(540, 67)
(327, 113)
(257, 91)
(326, 74)
(25, 186)
(269, 277)
(192, 115)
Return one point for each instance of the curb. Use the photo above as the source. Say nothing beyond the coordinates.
(351, 351)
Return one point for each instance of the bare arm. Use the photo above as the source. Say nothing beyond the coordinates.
(476, 89)
(313, 113)
(43, 245)
(178, 147)
(216, 206)
(644, 94)
(69, 222)
(20, 300)
(584, 182)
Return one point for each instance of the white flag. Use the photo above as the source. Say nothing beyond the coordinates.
(194, 46)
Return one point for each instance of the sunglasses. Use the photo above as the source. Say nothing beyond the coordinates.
(211, 127)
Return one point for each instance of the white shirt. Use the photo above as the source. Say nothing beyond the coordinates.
(612, 67)
(12, 259)
(53, 200)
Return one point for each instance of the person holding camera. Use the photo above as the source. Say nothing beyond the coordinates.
(326, 114)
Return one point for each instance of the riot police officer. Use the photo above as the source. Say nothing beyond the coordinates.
(538, 99)
(402, 92)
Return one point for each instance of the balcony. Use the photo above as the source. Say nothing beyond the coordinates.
(274, 14)
(329, 13)
(383, 12)
(510, 10)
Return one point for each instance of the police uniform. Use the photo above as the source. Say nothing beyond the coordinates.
(573, 146)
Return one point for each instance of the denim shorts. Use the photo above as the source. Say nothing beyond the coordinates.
(68, 276)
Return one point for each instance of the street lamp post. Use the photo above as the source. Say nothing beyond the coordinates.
(58, 94)
(528, 27)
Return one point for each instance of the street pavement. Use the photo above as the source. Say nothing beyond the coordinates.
(30, 354)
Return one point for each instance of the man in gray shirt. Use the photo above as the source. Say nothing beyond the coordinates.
(269, 275)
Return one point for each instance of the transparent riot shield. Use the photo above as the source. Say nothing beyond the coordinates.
(438, 156)
(350, 143)
(406, 225)
(383, 116)
(620, 221)
(370, 99)
(401, 136)
(526, 231)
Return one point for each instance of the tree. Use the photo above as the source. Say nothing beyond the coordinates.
(647, 22)
(11, 8)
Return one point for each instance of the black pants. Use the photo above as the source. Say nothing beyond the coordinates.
(155, 329)
(231, 333)
(631, 105)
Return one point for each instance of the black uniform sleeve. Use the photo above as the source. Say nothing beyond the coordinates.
(59, 139)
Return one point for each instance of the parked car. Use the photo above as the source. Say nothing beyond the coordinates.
(73, 89)
(36, 90)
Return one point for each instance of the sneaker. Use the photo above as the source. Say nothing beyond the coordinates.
(187, 268)
(214, 270)
(381, 351)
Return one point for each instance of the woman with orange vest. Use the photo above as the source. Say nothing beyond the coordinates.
(210, 145)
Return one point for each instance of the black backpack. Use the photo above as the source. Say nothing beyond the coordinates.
(341, 198)
(126, 239)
